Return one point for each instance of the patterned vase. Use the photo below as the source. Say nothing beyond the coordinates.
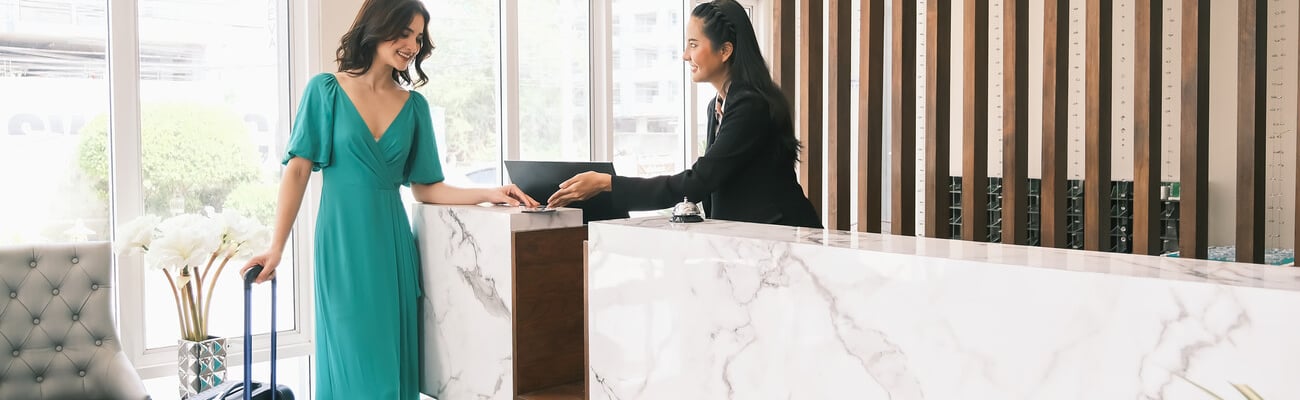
(200, 365)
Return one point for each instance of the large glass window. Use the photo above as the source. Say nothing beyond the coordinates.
(463, 89)
(53, 76)
(554, 80)
(211, 99)
(648, 126)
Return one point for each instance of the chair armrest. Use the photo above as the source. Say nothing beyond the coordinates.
(121, 381)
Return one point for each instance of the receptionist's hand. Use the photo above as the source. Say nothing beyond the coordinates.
(580, 187)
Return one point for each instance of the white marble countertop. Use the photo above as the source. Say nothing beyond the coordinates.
(1212, 272)
(518, 220)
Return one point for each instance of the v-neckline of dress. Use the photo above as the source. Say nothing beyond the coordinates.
(357, 112)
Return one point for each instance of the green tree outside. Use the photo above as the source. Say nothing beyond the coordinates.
(193, 156)
(463, 78)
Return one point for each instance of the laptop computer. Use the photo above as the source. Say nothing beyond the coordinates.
(541, 179)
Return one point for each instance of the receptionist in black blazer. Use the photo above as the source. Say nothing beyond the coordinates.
(747, 172)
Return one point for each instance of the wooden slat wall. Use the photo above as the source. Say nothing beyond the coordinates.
(871, 111)
(1015, 121)
(974, 207)
(1147, 125)
(1252, 85)
(1148, 76)
(1096, 190)
(903, 210)
(938, 93)
(1056, 117)
(810, 101)
(1194, 212)
(838, 108)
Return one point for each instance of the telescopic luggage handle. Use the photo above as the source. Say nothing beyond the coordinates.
(250, 276)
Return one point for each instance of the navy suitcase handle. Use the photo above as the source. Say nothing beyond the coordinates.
(249, 277)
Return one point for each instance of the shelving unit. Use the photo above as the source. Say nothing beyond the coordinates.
(1121, 214)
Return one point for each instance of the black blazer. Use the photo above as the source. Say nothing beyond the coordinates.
(744, 174)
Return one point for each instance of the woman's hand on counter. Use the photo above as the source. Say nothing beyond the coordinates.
(509, 195)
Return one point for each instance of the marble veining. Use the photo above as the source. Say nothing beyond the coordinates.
(743, 311)
(465, 256)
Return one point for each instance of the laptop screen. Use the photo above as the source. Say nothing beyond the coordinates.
(540, 179)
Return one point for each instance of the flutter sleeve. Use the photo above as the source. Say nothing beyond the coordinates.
(312, 136)
(423, 166)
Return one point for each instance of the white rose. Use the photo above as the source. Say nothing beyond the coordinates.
(184, 240)
(136, 236)
(244, 234)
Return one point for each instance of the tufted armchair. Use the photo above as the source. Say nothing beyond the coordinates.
(57, 336)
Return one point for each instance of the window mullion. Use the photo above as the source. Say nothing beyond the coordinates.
(509, 81)
(602, 80)
(690, 142)
(303, 61)
(126, 184)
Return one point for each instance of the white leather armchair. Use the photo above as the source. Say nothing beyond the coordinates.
(57, 336)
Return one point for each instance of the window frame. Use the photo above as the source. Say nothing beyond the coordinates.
(603, 64)
(127, 190)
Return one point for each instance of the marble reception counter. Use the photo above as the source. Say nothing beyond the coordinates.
(724, 310)
(502, 307)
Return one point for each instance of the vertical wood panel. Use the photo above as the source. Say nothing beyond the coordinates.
(975, 123)
(785, 59)
(1056, 117)
(1194, 167)
(1015, 121)
(838, 111)
(938, 93)
(1252, 84)
(903, 141)
(1147, 123)
(1096, 189)
(549, 308)
(871, 116)
(810, 101)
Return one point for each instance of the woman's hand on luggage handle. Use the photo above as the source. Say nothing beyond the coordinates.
(268, 261)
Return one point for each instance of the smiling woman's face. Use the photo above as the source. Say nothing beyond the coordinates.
(400, 52)
(707, 60)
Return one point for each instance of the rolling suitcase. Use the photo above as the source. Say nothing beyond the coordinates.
(249, 389)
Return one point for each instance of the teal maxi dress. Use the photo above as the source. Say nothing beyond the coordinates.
(367, 266)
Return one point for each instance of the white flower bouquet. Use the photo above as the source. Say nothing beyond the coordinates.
(187, 248)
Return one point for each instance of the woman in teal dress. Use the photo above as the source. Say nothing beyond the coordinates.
(368, 136)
